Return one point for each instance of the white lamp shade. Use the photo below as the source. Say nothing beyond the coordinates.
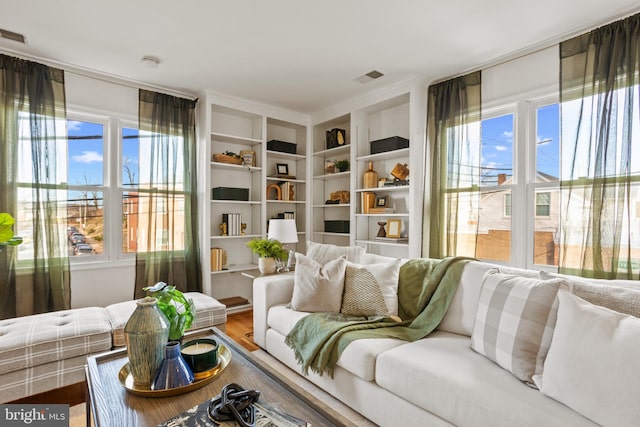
(283, 230)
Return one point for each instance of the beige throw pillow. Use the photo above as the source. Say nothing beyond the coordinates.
(324, 252)
(318, 288)
(593, 365)
(362, 294)
(514, 322)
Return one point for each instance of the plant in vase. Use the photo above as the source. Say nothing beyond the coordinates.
(6, 233)
(268, 250)
(179, 309)
(342, 165)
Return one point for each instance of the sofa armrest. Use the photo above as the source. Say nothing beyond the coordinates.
(267, 292)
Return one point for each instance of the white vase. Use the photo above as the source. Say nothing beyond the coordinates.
(267, 265)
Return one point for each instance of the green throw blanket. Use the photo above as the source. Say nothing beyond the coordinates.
(425, 290)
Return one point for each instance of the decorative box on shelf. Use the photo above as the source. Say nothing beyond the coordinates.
(336, 226)
(225, 158)
(282, 146)
(388, 144)
(230, 193)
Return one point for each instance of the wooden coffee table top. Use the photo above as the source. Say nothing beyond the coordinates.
(110, 404)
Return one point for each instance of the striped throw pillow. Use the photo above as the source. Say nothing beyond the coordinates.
(515, 320)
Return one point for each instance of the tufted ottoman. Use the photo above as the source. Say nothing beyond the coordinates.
(209, 313)
(48, 351)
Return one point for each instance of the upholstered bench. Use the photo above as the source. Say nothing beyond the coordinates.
(48, 351)
(209, 312)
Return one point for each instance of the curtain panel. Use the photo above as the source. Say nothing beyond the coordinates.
(453, 135)
(168, 247)
(33, 175)
(600, 152)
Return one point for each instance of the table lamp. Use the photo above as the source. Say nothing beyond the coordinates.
(284, 231)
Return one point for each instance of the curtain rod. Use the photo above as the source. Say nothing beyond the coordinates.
(98, 75)
(537, 47)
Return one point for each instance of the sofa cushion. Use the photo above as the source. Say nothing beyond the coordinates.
(515, 320)
(209, 312)
(318, 287)
(322, 253)
(26, 342)
(359, 357)
(365, 285)
(593, 365)
(618, 295)
(442, 375)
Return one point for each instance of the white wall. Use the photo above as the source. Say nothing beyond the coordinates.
(101, 284)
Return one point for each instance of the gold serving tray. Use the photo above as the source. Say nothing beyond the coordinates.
(126, 379)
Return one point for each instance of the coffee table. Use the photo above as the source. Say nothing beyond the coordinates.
(110, 404)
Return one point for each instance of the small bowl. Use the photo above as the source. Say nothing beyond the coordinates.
(201, 355)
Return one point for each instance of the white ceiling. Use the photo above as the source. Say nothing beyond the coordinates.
(298, 54)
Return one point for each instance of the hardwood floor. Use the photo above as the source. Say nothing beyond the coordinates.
(240, 329)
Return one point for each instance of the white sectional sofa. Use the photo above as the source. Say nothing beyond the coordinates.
(440, 379)
(47, 351)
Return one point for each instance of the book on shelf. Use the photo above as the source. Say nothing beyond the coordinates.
(392, 239)
(381, 210)
(233, 222)
(266, 416)
(368, 201)
(218, 259)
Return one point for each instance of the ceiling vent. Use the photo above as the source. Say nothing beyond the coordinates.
(371, 75)
(10, 35)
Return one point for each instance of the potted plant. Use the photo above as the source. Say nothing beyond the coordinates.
(268, 250)
(342, 165)
(179, 309)
(6, 233)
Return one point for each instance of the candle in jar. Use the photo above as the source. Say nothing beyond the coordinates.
(198, 348)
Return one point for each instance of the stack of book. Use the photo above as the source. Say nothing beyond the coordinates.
(368, 201)
(218, 259)
(233, 222)
(287, 191)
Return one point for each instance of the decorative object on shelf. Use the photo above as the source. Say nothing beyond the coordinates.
(381, 201)
(336, 138)
(277, 189)
(329, 167)
(394, 227)
(396, 183)
(177, 308)
(146, 333)
(342, 165)
(282, 146)
(342, 196)
(284, 231)
(243, 228)
(233, 222)
(381, 230)
(223, 229)
(201, 356)
(230, 193)
(382, 182)
(227, 157)
(388, 144)
(368, 201)
(337, 226)
(6, 233)
(173, 371)
(267, 250)
(287, 193)
(248, 157)
(400, 171)
(282, 169)
(370, 177)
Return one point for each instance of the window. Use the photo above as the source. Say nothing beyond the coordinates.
(507, 205)
(543, 204)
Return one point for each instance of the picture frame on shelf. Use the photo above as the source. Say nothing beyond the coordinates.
(248, 157)
(282, 169)
(394, 227)
(381, 201)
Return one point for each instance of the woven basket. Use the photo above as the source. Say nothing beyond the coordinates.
(223, 158)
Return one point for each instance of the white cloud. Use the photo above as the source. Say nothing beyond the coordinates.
(507, 134)
(73, 125)
(501, 148)
(88, 157)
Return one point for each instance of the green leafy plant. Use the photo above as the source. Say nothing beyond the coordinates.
(232, 154)
(342, 165)
(179, 309)
(6, 232)
(267, 248)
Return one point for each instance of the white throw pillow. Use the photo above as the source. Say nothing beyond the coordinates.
(593, 365)
(360, 294)
(324, 252)
(514, 322)
(318, 288)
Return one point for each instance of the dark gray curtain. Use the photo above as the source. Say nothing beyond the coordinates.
(33, 176)
(600, 155)
(168, 248)
(453, 135)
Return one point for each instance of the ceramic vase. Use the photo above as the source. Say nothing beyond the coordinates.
(267, 265)
(146, 333)
(174, 371)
